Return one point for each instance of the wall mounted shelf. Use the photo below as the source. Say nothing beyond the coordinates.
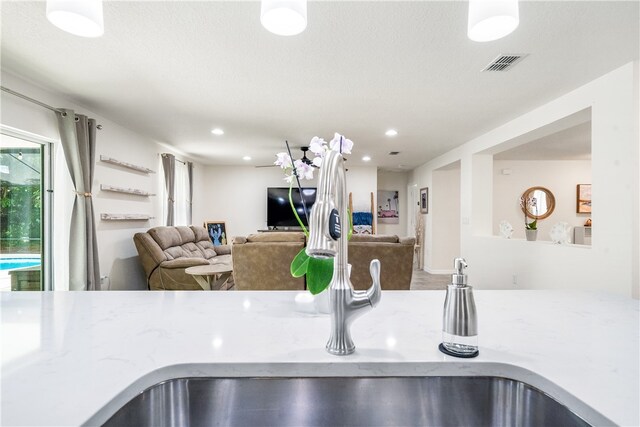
(131, 166)
(133, 191)
(125, 217)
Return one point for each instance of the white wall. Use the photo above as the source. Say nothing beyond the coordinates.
(560, 177)
(361, 182)
(444, 210)
(612, 260)
(117, 253)
(238, 194)
(393, 181)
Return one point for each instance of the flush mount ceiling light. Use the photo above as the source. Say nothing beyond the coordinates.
(366, 159)
(217, 131)
(391, 132)
(492, 19)
(284, 17)
(79, 17)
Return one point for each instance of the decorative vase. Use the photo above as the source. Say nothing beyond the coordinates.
(322, 302)
(532, 235)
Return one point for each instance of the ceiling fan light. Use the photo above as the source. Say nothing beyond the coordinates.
(284, 17)
(492, 19)
(82, 18)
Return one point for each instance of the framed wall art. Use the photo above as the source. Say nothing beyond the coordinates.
(388, 207)
(217, 231)
(424, 200)
(583, 198)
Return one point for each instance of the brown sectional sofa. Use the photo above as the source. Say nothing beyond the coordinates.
(165, 253)
(262, 261)
(395, 255)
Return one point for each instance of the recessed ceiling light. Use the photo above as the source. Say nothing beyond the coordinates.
(366, 158)
(217, 131)
(81, 18)
(284, 17)
(391, 132)
(492, 20)
(247, 158)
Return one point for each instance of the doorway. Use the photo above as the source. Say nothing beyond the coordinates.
(445, 217)
(24, 215)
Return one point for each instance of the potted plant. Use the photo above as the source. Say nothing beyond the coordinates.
(531, 228)
(318, 271)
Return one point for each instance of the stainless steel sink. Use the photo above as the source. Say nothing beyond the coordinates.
(386, 401)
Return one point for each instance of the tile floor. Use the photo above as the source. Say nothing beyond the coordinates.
(421, 280)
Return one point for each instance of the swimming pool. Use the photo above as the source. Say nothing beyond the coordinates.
(14, 262)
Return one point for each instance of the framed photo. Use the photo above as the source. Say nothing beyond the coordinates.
(424, 200)
(217, 232)
(583, 198)
(388, 207)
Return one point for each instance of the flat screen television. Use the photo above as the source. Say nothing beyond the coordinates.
(279, 213)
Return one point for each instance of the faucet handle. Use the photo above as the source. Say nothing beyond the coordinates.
(375, 291)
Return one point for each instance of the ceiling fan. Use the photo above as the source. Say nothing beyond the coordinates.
(304, 159)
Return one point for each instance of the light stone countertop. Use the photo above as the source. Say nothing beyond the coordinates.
(70, 358)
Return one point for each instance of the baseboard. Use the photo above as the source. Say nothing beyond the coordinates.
(433, 271)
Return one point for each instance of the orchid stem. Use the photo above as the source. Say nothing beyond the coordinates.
(304, 205)
(304, 229)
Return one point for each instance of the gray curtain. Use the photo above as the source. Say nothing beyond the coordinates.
(78, 138)
(190, 205)
(169, 167)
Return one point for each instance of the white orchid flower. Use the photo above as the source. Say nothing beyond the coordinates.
(335, 145)
(304, 170)
(289, 177)
(318, 146)
(283, 160)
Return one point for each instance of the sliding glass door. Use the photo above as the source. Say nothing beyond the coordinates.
(24, 172)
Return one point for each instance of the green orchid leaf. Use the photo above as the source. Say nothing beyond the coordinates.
(319, 274)
(300, 264)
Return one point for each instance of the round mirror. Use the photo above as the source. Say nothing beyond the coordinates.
(537, 202)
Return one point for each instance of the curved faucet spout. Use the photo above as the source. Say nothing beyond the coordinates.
(374, 293)
(327, 238)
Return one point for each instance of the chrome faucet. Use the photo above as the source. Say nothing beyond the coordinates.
(327, 239)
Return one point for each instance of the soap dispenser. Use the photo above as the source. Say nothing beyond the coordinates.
(459, 321)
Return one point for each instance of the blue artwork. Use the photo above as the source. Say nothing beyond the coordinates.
(217, 233)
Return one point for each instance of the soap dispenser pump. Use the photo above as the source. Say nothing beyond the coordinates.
(459, 321)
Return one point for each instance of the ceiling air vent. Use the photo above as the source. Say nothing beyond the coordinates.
(394, 153)
(504, 62)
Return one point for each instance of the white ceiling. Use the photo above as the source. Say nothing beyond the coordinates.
(573, 143)
(175, 70)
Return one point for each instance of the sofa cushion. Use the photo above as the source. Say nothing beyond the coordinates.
(166, 237)
(192, 250)
(203, 242)
(183, 263)
(374, 238)
(186, 234)
(200, 233)
(276, 236)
